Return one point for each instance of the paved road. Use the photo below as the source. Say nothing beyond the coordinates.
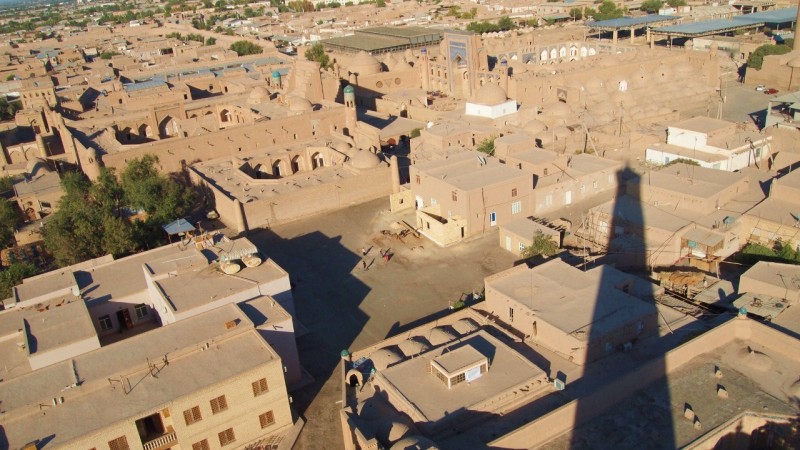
(344, 306)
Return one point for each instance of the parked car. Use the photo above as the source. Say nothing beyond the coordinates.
(760, 87)
(771, 91)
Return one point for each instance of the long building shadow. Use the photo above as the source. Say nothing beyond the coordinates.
(628, 228)
(327, 299)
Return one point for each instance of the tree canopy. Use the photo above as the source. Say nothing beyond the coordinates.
(243, 48)
(607, 10)
(486, 146)
(756, 59)
(652, 6)
(317, 53)
(504, 24)
(91, 218)
(540, 246)
(13, 276)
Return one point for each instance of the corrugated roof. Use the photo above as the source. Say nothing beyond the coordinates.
(706, 27)
(784, 15)
(625, 22)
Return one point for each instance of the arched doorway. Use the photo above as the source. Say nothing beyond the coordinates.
(317, 161)
(297, 164)
(224, 116)
(145, 131)
(277, 168)
(168, 127)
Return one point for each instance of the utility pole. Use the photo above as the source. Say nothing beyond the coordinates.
(796, 26)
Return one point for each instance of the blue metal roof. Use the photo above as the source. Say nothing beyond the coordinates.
(144, 85)
(784, 15)
(179, 226)
(627, 22)
(705, 27)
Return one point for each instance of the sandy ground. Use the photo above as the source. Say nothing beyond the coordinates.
(346, 307)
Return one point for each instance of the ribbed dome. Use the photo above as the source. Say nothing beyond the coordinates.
(364, 64)
(364, 160)
(490, 94)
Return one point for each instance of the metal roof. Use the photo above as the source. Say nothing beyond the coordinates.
(627, 22)
(178, 226)
(706, 27)
(144, 85)
(784, 15)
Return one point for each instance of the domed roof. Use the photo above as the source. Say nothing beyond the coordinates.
(259, 93)
(490, 94)
(343, 147)
(534, 126)
(412, 347)
(276, 74)
(439, 336)
(414, 442)
(364, 160)
(299, 104)
(465, 326)
(561, 131)
(364, 64)
(390, 431)
(384, 358)
(558, 109)
(349, 89)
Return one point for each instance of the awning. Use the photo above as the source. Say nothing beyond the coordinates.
(703, 237)
(177, 227)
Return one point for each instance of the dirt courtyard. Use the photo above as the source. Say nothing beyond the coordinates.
(346, 307)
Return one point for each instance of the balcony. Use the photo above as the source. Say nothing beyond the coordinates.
(161, 442)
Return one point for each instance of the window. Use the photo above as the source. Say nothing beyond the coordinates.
(260, 387)
(521, 247)
(516, 207)
(492, 218)
(226, 437)
(192, 415)
(266, 419)
(434, 202)
(611, 178)
(603, 227)
(510, 314)
(141, 310)
(544, 172)
(454, 196)
(218, 404)
(202, 445)
(514, 192)
(594, 184)
(120, 443)
(105, 322)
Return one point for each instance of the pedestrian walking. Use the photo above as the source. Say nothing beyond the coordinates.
(364, 265)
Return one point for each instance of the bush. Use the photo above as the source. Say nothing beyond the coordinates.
(756, 59)
(243, 48)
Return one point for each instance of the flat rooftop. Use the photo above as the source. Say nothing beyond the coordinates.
(233, 351)
(527, 228)
(782, 276)
(61, 325)
(701, 124)
(189, 290)
(463, 171)
(431, 397)
(576, 302)
(689, 180)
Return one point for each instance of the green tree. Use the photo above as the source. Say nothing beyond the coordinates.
(415, 133)
(10, 77)
(9, 219)
(486, 146)
(108, 54)
(676, 3)
(243, 48)
(380, 3)
(608, 10)
(756, 58)
(8, 109)
(317, 53)
(211, 41)
(505, 24)
(652, 6)
(541, 245)
(576, 13)
(13, 276)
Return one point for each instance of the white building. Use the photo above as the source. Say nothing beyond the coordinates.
(711, 143)
(491, 102)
